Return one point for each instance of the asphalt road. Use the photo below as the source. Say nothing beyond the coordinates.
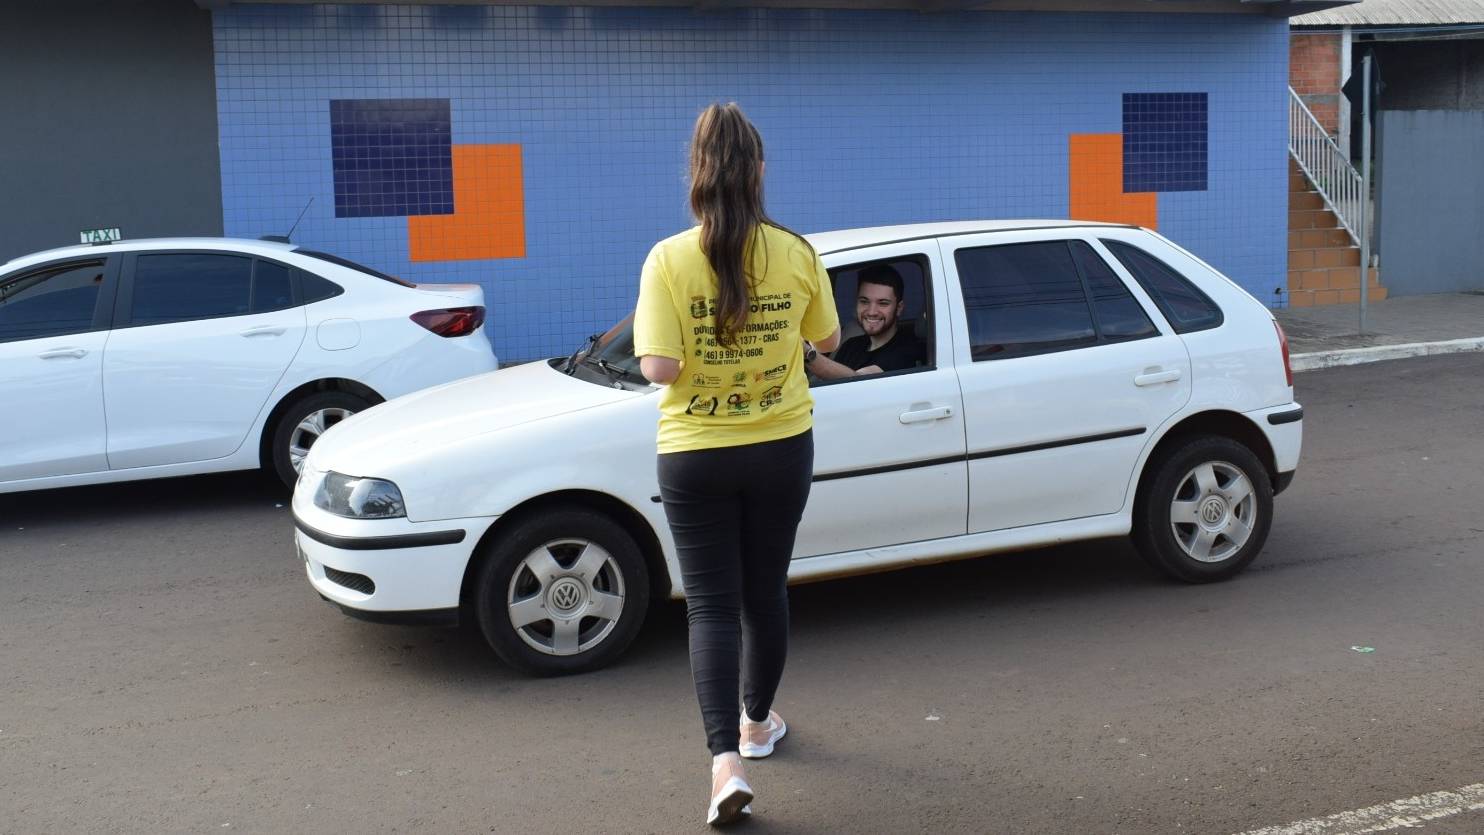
(166, 667)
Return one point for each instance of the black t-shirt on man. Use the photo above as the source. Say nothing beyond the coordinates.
(904, 350)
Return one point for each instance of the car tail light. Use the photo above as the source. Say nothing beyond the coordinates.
(1283, 344)
(454, 321)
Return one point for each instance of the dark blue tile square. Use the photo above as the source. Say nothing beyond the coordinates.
(1164, 142)
(391, 157)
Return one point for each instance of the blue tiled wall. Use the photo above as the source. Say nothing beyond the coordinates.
(869, 118)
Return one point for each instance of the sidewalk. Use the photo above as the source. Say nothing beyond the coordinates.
(1320, 337)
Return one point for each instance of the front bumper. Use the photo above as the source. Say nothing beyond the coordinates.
(387, 569)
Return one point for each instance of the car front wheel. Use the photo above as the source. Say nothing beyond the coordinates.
(1205, 513)
(560, 592)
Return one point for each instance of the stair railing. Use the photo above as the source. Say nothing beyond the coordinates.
(1325, 164)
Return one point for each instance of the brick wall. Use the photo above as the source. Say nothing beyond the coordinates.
(1314, 72)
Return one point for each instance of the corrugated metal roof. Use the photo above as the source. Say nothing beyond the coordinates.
(1275, 8)
(1397, 13)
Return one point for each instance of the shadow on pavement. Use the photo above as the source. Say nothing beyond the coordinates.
(176, 496)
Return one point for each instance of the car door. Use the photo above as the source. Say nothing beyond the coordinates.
(53, 326)
(889, 449)
(1066, 370)
(200, 341)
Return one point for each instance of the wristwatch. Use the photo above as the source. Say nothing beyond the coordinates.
(810, 352)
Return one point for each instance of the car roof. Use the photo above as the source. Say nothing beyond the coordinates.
(245, 245)
(843, 239)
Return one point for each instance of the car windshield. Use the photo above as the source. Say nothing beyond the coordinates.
(608, 358)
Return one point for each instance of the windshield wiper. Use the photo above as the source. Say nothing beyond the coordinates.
(615, 371)
(587, 347)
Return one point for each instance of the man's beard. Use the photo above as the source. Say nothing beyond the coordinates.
(886, 325)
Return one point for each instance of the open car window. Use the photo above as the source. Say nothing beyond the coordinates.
(859, 297)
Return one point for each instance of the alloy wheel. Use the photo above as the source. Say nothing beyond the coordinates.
(310, 429)
(566, 597)
(1214, 511)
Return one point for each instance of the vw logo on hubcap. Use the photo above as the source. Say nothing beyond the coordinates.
(1213, 511)
(565, 595)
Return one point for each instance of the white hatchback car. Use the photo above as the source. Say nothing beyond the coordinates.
(1082, 381)
(167, 357)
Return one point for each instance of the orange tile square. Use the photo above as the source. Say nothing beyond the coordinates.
(489, 219)
(1096, 187)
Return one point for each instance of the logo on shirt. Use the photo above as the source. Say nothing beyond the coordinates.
(702, 405)
(739, 403)
(772, 397)
(698, 307)
(739, 380)
(705, 381)
(774, 373)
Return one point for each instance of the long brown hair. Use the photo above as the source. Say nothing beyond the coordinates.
(726, 196)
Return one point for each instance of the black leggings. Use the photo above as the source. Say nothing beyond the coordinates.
(734, 512)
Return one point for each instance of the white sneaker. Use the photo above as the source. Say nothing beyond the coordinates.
(731, 796)
(758, 738)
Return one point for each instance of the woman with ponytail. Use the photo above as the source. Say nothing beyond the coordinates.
(724, 310)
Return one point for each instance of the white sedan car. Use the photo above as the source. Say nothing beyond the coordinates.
(1082, 381)
(167, 357)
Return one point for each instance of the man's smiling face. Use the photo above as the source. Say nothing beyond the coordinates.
(877, 308)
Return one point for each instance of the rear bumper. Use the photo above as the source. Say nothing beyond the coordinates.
(1284, 428)
(431, 361)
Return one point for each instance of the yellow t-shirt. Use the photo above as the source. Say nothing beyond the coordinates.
(756, 391)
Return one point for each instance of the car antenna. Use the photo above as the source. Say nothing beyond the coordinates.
(284, 239)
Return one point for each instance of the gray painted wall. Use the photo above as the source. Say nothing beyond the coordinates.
(110, 120)
(1431, 75)
(1432, 201)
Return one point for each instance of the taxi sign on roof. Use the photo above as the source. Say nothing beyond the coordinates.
(101, 236)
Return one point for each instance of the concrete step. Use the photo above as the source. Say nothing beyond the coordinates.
(1322, 219)
(1313, 298)
(1314, 259)
(1318, 239)
(1344, 278)
(1305, 201)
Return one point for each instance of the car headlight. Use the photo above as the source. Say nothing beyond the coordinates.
(359, 498)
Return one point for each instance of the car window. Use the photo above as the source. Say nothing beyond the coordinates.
(351, 265)
(177, 287)
(874, 331)
(1118, 315)
(1023, 299)
(1182, 303)
(314, 288)
(52, 301)
(272, 288)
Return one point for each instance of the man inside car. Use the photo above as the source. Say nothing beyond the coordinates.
(882, 346)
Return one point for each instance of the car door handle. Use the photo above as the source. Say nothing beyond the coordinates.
(264, 330)
(1154, 378)
(925, 415)
(64, 353)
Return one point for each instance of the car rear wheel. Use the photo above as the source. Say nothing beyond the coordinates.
(562, 592)
(1205, 513)
(303, 423)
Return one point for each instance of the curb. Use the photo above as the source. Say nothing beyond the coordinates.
(1379, 353)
